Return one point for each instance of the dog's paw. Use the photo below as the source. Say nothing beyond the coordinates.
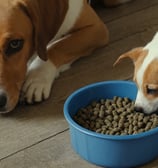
(39, 79)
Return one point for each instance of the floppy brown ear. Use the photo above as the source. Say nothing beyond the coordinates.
(31, 9)
(45, 21)
(133, 54)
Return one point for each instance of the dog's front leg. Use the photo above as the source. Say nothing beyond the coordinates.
(39, 79)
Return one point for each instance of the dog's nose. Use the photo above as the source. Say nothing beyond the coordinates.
(3, 100)
(138, 109)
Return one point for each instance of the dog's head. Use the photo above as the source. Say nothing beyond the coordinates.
(16, 45)
(145, 61)
(26, 26)
(20, 36)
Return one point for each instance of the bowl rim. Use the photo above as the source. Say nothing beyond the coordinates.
(99, 135)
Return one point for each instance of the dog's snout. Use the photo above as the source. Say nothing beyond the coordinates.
(138, 109)
(3, 99)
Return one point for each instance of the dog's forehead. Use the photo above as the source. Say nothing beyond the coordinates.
(13, 21)
(150, 62)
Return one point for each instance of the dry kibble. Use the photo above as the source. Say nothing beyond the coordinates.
(130, 129)
(96, 112)
(99, 130)
(93, 118)
(146, 119)
(100, 121)
(101, 113)
(115, 117)
(120, 124)
(97, 125)
(102, 107)
(126, 124)
(109, 117)
(104, 127)
(140, 124)
(135, 122)
(102, 101)
(115, 124)
(94, 103)
(135, 128)
(96, 108)
(107, 122)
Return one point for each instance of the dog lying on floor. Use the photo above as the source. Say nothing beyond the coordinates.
(55, 33)
(145, 60)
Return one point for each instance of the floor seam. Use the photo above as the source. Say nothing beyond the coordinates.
(34, 144)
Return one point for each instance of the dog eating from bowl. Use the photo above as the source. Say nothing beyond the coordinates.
(145, 60)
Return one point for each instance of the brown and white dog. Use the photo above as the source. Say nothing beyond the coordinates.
(145, 60)
(53, 32)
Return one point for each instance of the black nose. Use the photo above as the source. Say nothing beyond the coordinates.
(3, 100)
(138, 109)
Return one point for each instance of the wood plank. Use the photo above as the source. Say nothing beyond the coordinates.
(110, 14)
(134, 24)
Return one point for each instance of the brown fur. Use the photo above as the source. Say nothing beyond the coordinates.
(37, 22)
(45, 20)
(69, 49)
(14, 25)
(137, 55)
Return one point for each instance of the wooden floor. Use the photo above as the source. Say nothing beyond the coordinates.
(37, 136)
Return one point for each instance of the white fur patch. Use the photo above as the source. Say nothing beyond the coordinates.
(39, 79)
(148, 106)
(74, 10)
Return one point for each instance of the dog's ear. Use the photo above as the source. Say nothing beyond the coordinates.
(133, 54)
(31, 9)
(45, 20)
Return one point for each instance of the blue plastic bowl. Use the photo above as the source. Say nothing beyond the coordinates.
(109, 150)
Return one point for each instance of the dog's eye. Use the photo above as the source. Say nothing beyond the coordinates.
(151, 91)
(14, 46)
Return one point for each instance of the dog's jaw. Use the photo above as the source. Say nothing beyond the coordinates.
(148, 106)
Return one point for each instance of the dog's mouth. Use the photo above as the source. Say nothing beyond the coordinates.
(6, 109)
(155, 111)
(142, 110)
(7, 102)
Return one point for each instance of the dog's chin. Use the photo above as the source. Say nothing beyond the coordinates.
(150, 111)
(145, 110)
(6, 110)
(153, 112)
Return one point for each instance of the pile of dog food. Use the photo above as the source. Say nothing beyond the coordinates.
(115, 117)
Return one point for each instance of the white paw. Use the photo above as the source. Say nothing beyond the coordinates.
(39, 79)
